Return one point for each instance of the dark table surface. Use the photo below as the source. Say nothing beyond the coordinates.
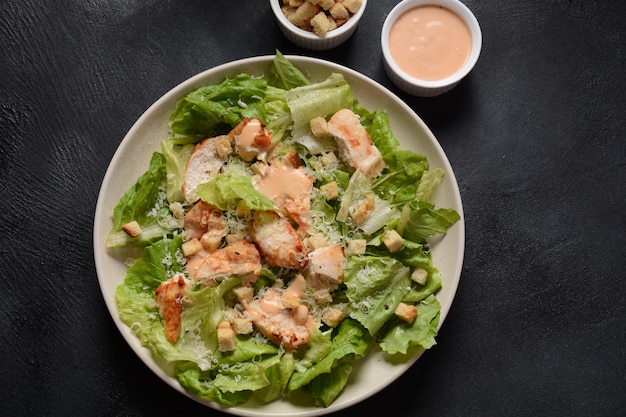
(536, 136)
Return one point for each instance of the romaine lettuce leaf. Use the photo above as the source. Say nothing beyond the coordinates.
(225, 191)
(136, 303)
(201, 384)
(146, 203)
(283, 74)
(215, 109)
(375, 287)
(401, 180)
(420, 220)
(317, 100)
(351, 340)
(417, 255)
(358, 189)
(278, 374)
(176, 157)
(399, 336)
(377, 125)
(427, 184)
(326, 387)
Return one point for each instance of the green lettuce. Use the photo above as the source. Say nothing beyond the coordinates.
(399, 337)
(146, 203)
(377, 125)
(225, 191)
(375, 287)
(283, 74)
(176, 157)
(215, 109)
(317, 100)
(137, 306)
(400, 182)
(358, 189)
(327, 378)
(420, 220)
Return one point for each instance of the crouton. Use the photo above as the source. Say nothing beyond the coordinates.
(242, 326)
(406, 312)
(191, 247)
(320, 24)
(326, 4)
(316, 241)
(356, 247)
(177, 210)
(420, 275)
(323, 296)
(223, 147)
(339, 12)
(359, 215)
(353, 6)
(303, 14)
(234, 237)
(259, 168)
(132, 229)
(392, 240)
(332, 23)
(211, 241)
(225, 337)
(332, 316)
(330, 190)
(329, 160)
(244, 294)
(318, 125)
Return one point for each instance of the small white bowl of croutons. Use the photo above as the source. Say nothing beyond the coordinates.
(318, 24)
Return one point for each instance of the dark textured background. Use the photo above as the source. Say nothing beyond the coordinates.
(536, 136)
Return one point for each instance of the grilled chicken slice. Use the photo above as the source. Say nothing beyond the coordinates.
(169, 300)
(355, 145)
(202, 218)
(278, 241)
(326, 266)
(205, 161)
(283, 322)
(238, 258)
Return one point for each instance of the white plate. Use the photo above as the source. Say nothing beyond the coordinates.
(132, 158)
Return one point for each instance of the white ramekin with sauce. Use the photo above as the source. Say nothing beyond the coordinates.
(429, 46)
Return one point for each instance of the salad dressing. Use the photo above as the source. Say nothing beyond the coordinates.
(283, 182)
(246, 138)
(271, 303)
(430, 42)
(251, 139)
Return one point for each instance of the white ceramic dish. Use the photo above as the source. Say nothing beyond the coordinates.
(424, 88)
(310, 40)
(132, 157)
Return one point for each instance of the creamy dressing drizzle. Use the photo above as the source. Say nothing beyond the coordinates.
(281, 182)
(246, 139)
